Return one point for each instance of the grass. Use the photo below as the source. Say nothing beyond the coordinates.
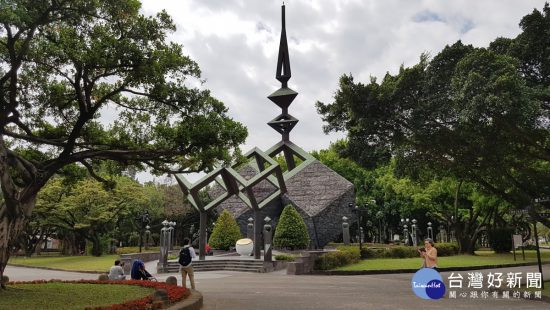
(74, 263)
(482, 258)
(68, 295)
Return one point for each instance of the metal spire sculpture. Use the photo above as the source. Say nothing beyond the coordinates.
(284, 96)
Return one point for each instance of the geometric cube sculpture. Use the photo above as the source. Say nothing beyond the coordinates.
(231, 183)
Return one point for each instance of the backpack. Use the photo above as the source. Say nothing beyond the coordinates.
(185, 257)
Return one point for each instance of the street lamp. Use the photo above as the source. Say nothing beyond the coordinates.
(380, 216)
(165, 241)
(406, 223)
(172, 234)
(358, 210)
(413, 227)
(144, 220)
(147, 236)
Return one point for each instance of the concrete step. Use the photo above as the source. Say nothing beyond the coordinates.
(216, 269)
(221, 264)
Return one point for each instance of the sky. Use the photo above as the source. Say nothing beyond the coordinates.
(235, 43)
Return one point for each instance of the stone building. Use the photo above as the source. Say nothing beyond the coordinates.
(320, 195)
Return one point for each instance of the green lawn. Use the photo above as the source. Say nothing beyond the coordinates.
(77, 263)
(68, 295)
(482, 258)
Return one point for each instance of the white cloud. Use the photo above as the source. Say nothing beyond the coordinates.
(235, 42)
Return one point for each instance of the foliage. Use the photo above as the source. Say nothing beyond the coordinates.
(285, 257)
(226, 232)
(443, 249)
(476, 115)
(64, 67)
(336, 259)
(500, 239)
(291, 231)
(389, 197)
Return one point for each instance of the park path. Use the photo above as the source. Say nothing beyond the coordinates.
(240, 290)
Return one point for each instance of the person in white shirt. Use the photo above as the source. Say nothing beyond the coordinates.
(187, 254)
(117, 272)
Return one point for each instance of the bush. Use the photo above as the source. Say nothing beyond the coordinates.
(500, 239)
(291, 232)
(354, 250)
(286, 257)
(446, 249)
(443, 249)
(226, 232)
(336, 259)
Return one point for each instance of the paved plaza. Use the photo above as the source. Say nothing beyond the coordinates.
(241, 290)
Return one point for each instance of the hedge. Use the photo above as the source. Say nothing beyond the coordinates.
(344, 256)
(286, 257)
(443, 249)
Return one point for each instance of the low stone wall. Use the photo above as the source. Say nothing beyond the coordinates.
(192, 302)
(303, 264)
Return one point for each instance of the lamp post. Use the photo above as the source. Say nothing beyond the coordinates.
(144, 220)
(380, 216)
(413, 227)
(406, 223)
(172, 234)
(147, 236)
(358, 210)
(537, 241)
(165, 241)
(430, 231)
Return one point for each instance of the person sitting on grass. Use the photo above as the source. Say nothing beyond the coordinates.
(139, 272)
(117, 272)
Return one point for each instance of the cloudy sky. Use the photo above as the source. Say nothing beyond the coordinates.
(235, 42)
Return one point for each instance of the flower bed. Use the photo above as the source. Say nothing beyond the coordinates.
(175, 293)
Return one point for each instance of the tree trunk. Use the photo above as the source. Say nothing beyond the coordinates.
(11, 226)
(96, 246)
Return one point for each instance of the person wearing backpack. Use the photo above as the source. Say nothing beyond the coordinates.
(186, 256)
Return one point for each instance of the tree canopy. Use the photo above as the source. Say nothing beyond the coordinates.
(476, 114)
(86, 81)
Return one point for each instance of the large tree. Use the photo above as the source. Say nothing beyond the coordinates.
(83, 81)
(474, 114)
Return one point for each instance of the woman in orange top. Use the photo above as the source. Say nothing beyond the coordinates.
(429, 254)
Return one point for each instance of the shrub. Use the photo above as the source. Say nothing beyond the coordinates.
(291, 231)
(501, 239)
(354, 250)
(226, 232)
(446, 249)
(336, 259)
(286, 257)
